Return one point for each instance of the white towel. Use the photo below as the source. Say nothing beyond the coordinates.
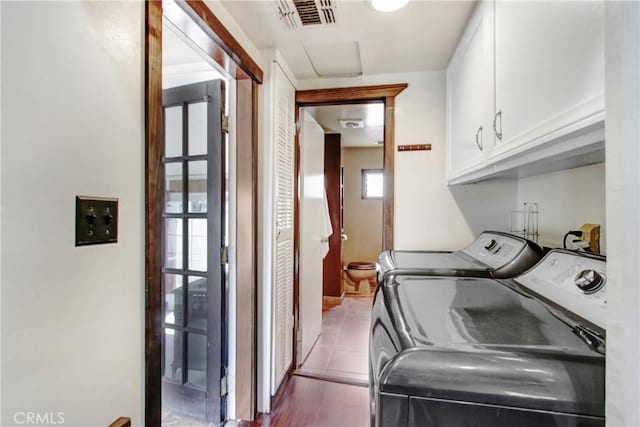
(326, 229)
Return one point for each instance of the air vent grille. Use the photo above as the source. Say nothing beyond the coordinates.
(307, 13)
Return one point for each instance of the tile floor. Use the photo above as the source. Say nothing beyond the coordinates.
(308, 402)
(341, 352)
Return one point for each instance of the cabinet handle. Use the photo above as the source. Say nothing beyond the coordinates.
(495, 127)
(478, 140)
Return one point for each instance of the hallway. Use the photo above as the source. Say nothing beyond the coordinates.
(341, 351)
(308, 402)
(313, 397)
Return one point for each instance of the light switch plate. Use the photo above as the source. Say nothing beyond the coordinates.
(96, 220)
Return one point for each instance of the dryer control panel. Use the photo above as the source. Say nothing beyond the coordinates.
(573, 281)
(495, 250)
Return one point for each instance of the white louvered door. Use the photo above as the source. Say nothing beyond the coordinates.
(282, 357)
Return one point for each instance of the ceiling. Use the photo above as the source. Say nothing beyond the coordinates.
(368, 136)
(182, 63)
(420, 36)
(175, 51)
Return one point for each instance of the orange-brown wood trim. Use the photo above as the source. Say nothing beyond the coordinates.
(153, 212)
(226, 41)
(388, 162)
(343, 95)
(414, 147)
(121, 422)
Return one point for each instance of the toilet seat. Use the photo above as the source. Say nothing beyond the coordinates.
(359, 265)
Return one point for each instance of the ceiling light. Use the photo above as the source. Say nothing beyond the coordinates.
(388, 5)
(351, 123)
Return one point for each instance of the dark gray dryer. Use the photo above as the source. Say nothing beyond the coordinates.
(492, 254)
(460, 351)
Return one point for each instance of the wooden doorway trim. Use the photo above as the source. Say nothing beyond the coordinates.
(341, 96)
(232, 58)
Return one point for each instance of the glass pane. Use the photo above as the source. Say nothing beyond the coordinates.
(198, 186)
(173, 187)
(173, 243)
(197, 304)
(173, 354)
(198, 128)
(197, 360)
(173, 131)
(173, 311)
(373, 185)
(198, 244)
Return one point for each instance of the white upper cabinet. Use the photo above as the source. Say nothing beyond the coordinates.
(470, 96)
(527, 79)
(549, 70)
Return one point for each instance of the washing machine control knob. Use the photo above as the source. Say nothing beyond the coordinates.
(492, 244)
(589, 281)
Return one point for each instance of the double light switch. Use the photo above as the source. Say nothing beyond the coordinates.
(96, 220)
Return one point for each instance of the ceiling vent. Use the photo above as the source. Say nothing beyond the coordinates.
(307, 13)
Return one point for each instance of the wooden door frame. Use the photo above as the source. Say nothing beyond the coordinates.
(386, 94)
(229, 54)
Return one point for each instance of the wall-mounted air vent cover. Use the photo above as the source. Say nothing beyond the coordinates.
(307, 13)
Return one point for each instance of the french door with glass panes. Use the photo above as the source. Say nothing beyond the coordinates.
(194, 339)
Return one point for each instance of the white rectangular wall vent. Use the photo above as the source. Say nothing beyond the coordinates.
(307, 13)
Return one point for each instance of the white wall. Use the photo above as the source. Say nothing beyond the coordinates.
(622, 71)
(362, 217)
(566, 200)
(487, 205)
(72, 110)
(427, 215)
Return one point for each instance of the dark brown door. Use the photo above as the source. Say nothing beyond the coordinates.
(332, 264)
(193, 341)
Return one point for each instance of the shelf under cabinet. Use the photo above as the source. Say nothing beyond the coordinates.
(580, 148)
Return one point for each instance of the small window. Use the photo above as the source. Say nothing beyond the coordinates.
(372, 183)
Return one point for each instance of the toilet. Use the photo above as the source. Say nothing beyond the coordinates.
(359, 277)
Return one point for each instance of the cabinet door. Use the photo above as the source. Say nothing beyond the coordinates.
(549, 66)
(470, 95)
